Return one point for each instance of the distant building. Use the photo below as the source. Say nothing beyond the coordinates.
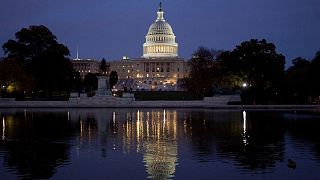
(85, 66)
(160, 66)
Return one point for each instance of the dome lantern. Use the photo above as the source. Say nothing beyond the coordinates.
(160, 14)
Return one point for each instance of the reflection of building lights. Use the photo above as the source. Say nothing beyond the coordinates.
(3, 129)
(89, 132)
(244, 135)
(114, 122)
(139, 127)
(160, 156)
(81, 128)
(244, 113)
(25, 114)
(185, 126)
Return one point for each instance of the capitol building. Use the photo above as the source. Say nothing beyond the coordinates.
(160, 66)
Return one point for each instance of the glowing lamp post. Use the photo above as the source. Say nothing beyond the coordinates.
(244, 85)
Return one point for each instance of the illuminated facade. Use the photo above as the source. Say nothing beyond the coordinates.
(85, 66)
(160, 67)
(151, 74)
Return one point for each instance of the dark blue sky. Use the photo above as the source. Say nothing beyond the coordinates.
(113, 28)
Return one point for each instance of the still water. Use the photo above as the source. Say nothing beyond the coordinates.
(159, 144)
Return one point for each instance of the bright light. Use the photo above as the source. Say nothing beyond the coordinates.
(244, 85)
(10, 88)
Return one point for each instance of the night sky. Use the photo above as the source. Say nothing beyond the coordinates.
(113, 28)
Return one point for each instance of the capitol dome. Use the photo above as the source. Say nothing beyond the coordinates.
(160, 39)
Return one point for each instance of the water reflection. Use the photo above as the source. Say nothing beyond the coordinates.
(33, 144)
(244, 134)
(154, 134)
(3, 129)
(158, 143)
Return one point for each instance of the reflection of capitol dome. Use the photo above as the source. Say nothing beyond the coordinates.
(161, 148)
(160, 40)
(161, 159)
(155, 135)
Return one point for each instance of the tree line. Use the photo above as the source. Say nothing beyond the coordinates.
(257, 71)
(36, 64)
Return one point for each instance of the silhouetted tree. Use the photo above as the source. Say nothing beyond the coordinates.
(37, 48)
(13, 73)
(257, 63)
(90, 82)
(295, 81)
(201, 68)
(76, 81)
(301, 80)
(314, 75)
(260, 64)
(113, 79)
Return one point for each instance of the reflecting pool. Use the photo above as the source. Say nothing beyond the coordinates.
(159, 144)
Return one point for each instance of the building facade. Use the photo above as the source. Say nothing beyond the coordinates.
(85, 66)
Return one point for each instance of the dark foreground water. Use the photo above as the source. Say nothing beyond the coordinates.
(159, 144)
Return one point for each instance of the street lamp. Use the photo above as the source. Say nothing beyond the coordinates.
(244, 85)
